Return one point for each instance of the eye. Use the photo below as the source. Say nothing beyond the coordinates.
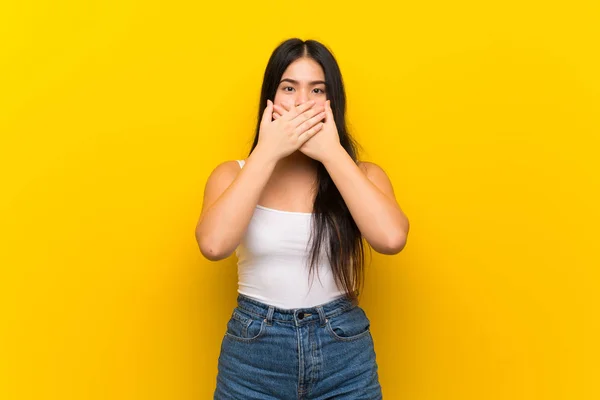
(287, 87)
(321, 90)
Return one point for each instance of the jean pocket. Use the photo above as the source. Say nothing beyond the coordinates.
(350, 325)
(244, 327)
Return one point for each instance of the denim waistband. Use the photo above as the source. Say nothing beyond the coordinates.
(298, 315)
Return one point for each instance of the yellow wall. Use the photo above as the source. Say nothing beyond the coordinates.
(486, 118)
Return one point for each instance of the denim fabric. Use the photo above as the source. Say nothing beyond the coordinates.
(322, 352)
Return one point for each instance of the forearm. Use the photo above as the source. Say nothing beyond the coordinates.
(379, 218)
(223, 225)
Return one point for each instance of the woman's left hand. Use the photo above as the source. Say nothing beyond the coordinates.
(324, 142)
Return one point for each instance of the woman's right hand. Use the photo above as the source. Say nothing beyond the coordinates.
(286, 134)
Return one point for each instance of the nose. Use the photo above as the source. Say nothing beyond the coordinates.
(302, 97)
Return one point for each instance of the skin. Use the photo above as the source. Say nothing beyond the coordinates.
(296, 173)
(287, 183)
(301, 82)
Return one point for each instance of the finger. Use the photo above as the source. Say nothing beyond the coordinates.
(276, 116)
(286, 106)
(305, 113)
(286, 110)
(310, 133)
(267, 113)
(279, 109)
(329, 111)
(309, 123)
(302, 107)
(308, 114)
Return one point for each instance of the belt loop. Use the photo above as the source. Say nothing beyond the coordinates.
(322, 318)
(269, 318)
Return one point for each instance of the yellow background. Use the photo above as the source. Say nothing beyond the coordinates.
(485, 116)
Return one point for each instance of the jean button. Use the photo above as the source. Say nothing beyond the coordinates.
(301, 315)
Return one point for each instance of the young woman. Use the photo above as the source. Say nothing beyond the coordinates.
(300, 204)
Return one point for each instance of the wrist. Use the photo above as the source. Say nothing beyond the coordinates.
(334, 155)
(263, 156)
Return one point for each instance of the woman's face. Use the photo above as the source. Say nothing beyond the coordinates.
(303, 80)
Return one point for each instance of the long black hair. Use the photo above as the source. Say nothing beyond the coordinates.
(331, 218)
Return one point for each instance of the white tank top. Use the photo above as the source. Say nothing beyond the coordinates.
(272, 261)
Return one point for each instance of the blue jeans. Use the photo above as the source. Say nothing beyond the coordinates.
(322, 352)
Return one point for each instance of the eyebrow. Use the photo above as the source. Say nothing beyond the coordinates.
(295, 82)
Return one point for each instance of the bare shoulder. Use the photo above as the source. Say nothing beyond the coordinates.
(219, 179)
(370, 168)
(230, 166)
(225, 172)
(378, 176)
